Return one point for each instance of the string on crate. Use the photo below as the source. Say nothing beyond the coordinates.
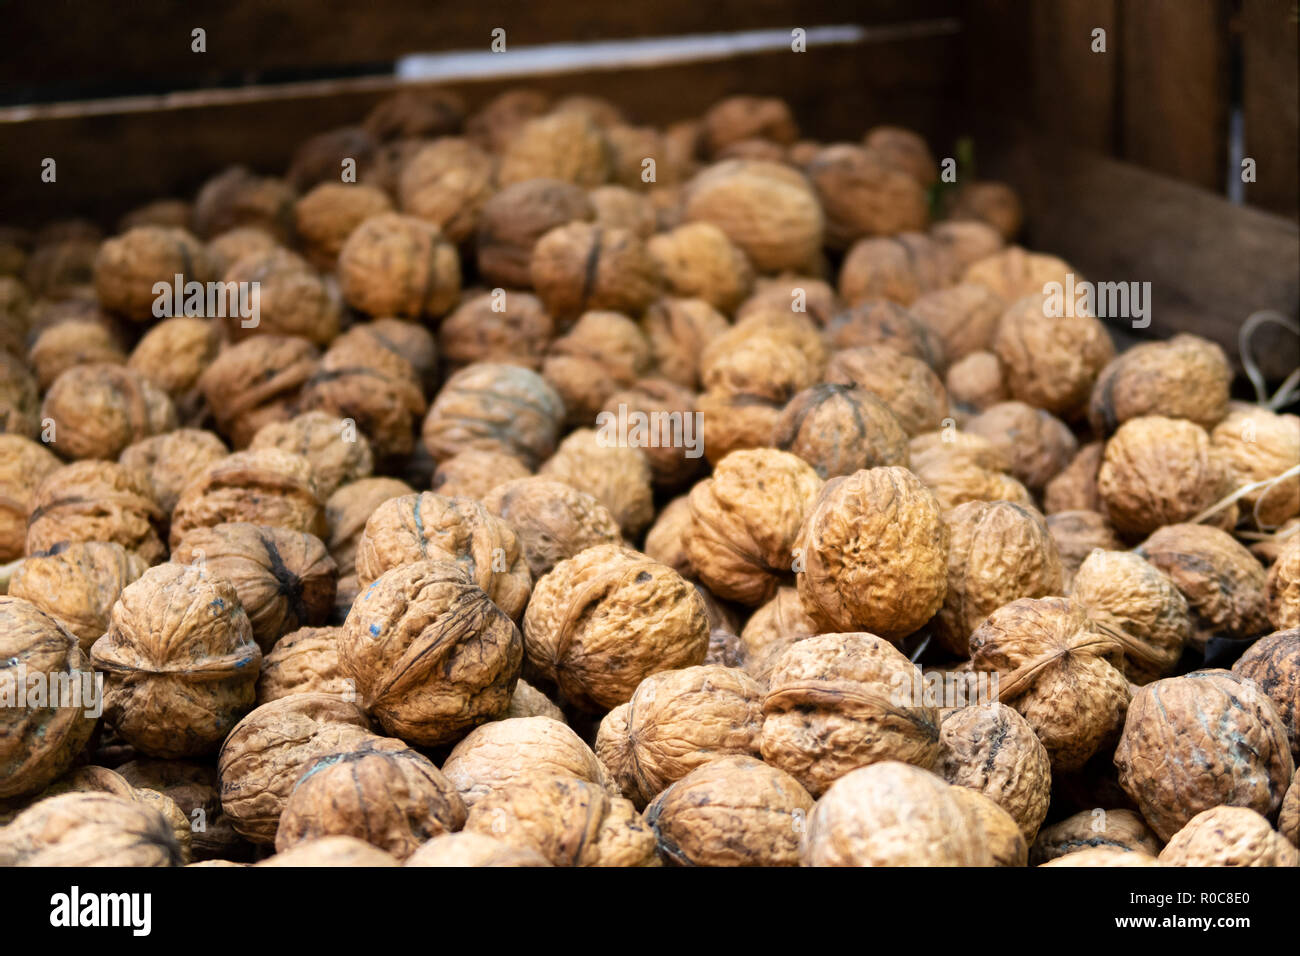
(1289, 391)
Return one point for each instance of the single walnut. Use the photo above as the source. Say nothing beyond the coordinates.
(127, 267)
(427, 527)
(864, 195)
(903, 149)
(473, 849)
(975, 382)
(305, 661)
(267, 487)
(256, 382)
(175, 213)
(967, 240)
(1051, 361)
(874, 551)
(733, 423)
(446, 183)
(266, 753)
(989, 202)
(332, 852)
(906, 384)
(757, 369)
(73, 342)
(1013, 272)
(1121, 830)
(566, 146)
(512, 328)
(841, 701)
(1284, 586)
(1255, 445)
(840, 429)
(497, 122)
(666, 539)
(1273, 663)
(993, 750)
(999, 551)
(20, 398)
(600, 622)
(238, 197)
(731, 811)
(170, 461)
(780, 620)
(492, 407)
(473, 473)
(1078, 534)
(192, 789)
(553, 520)
(951, 445)
(660, 418)
(493, 755)
(528, 701)
(1060, 670)
(618, 207)
(77, 584)
(234, 244)
(1288, 818)
(97, 410)
(338, 455)
(24, 464)
(1186, 377)
(326, 216)
(1225, 587)
(388, 795)
(737, 118)
(62, 268)
(697, 260)
(1000, 831)
(879, 322)
(957, 479)
(601, 352)
(292, 299)
(1038, 445)
(893, 814)
(897, 268)
(416, 112)
(90, 829)
(95, 501)
(615, 475)
(582, 266)
(1075, 487)
(173, 355)
(399, 265)
(1197, 742)
(676, 721)
(511, 222)
(792, 295)
(1229, 836)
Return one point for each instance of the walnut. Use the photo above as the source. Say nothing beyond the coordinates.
(363, 380)
(1186, 377)
(238, 197)
(874, 551)
(446, 183)
(1197, 742)
(492, 407)
(1079, 533)
(878, 322)
(192, 788)
(911, 389)
(62, 268)
(474, 473)
(905, 150)
(666, 539)
(676, 721)
(267, 487)
(1273, 662)
(175, 213)
(73, 342)
(1103, 856)
(975, 381)
(95, 501)
(620, 208)
(497, 122)
(950, 445)
(427, 527)
(993, 750)
(731, 811)
(399, 265)
(408, 340)
(305, 661)
(292, 299)
(1000, 831)
(793, 295)
(338, 455)
(98, 410)
(1038, 444)
(989, 202)
(332, 852)
(511, 222)
(840, 429)
(1075, 487)
(24, 464)
(266, 753)
(732, 423)
(767, 209)
(893, 814)
(999, 551)
(956, 479)
(1121, 830)
(781, 619)
(967, 240)
(1051, 361)
(326, 216)
(257, 381)
(383, 793)
(528, 701)
(90, 829)
(170, 461)
(15, 304)
(173, 355)
(416, 112)
(321, 158)
(659, 417)
(40, 738)
(584, 266)
(1229, 836)
(1255, 444)
(1013, 272)
(744, 522)
(493, 755)
(737, 118)
(864, 195)
(1225, 587)
(553, 520)
(630, 147)
(512, 328)
(897, 268)
(602, 621)
(1288, 818)
(128, 267)
(697, 260)
(1284, 586)
(77, 584)
(1127, 593)
(1060, 670)
(234, 244)
(566, 146)
(473, 849)
(615, 475)
(600, 353)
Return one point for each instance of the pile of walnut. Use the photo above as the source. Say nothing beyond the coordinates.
(374, 580)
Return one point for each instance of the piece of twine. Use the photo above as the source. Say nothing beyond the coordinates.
(1289, 391)
(1247, 489)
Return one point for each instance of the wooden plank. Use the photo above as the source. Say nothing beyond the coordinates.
(1271, 103)
(1075, 88)
(1175, 88)
(111, 162)
(69, 41)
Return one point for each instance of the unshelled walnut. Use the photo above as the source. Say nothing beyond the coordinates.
(90, 829)
(1207, 739)
(989, 202)
(964, 317)
(676, 721)
(737, 118)
(893, 814)
(446, 183)
(267, 486)
(508, 327)
(553, 520)
(874, 554)
(1186, 377)
(172, 460)
(493, 755)
(665, 541)
(191, 787)
(24, 464)
(305, 661)
(602, 621)
(319, 158)
(292, 299)
(583, 266)
(993, 750)
(898, 269)
(1038, 444)
(1060, 670)
(841, 701)
(399, 265)
(881, 323)
(1255, 445)
(68, 343)
(781, 619)
(1006, 844)
(1013, 273)
(731, 811)
(528, 701)
(967, 240)
(661, 418)
(1284, 586)
(745, 519)
(697, 260)
(97, 410)
(1121, 830)
(791, 294)
(1229, 836)
(566, 146)
(325, 217)
(77, 584)
(474, 473)
(1273, 662)
(20, 398)
(998, 551)
(1078, 534)
(840, 429)
(239, 197)
(511, 222)
(493, 407)
(95, 501)
(332, 852)
(416, 112)
(337, 453)
(903, 149)
(1051, 361)
(63, 267)
(346, 513)
(601, 352)
(173, 355)
(616, 475)
(234, 244)
(128, 266)
(257, 381)
(1075, 487)
(618, 207)
(865, 195)
(473, 849)
(1225, 587)
(906, 384)
(428, 527)
(975, 382)
(1288, 818)
(386, 794)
